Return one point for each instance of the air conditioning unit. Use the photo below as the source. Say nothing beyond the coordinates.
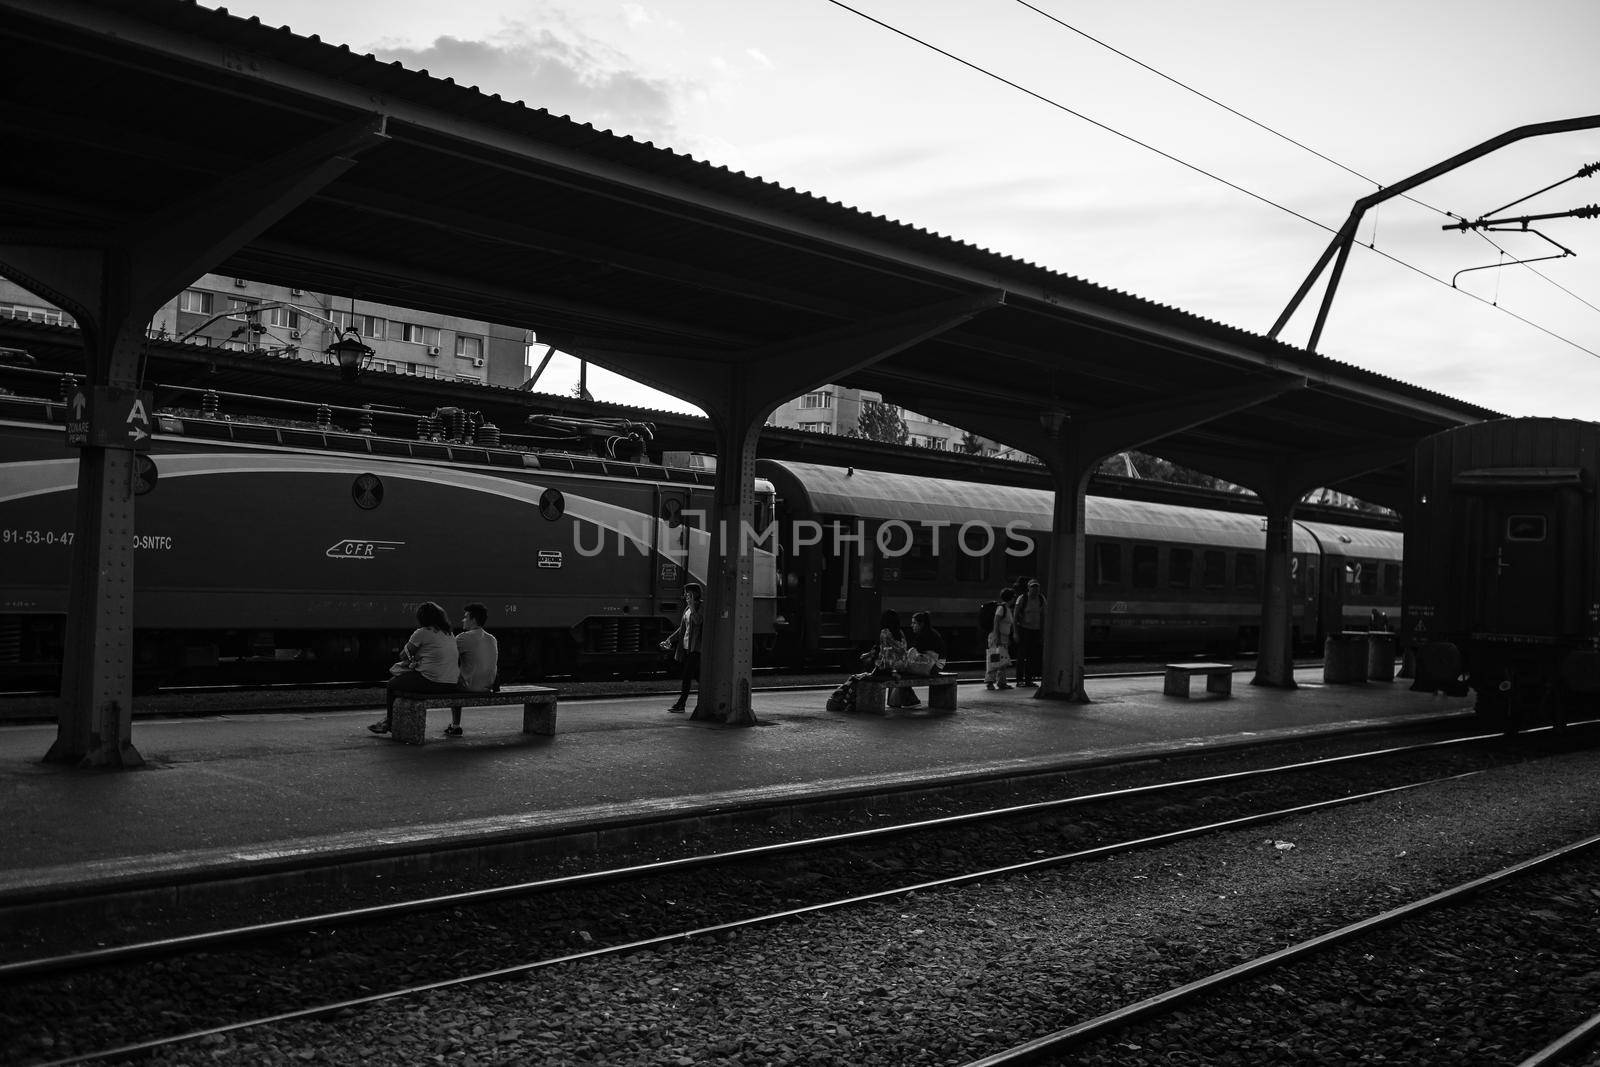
(296, 292)
(294, 335)
(433, 350)
(240, 283)
(477, 361)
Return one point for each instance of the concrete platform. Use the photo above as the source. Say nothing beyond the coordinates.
(236, 793)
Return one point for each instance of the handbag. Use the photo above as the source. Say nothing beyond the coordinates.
(998, 659)
(919, 664)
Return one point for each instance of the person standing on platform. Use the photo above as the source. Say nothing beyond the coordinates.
(684, 642)
(478, 655)
(1030, 634)
(1001, 634)
(430, 662)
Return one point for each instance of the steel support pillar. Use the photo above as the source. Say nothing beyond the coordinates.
(1281, 483)
(738, 391)
(112, 281)
(1275, 645)
(1071, 447)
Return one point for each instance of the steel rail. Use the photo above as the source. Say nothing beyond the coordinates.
(1567, 1045)
(143, 950)
(1099, 851)
(1102, 1025)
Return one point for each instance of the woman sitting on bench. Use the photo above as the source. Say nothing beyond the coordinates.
(429, 664)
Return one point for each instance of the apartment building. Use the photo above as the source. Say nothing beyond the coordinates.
(837, 410)
(249, 316)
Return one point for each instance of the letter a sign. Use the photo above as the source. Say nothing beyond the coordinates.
(109, 417)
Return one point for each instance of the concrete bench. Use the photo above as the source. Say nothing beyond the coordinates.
(1219, 678)
(410, 719)
(872, 693)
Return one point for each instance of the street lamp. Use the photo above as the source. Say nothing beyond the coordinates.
(349, 353)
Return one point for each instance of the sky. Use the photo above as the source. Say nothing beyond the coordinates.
(1095, 165)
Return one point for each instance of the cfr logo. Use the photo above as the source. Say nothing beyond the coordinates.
(360, 549)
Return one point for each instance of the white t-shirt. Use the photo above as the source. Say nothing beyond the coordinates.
(480, 658)
(436, 658)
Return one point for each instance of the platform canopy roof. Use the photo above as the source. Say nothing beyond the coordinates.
(480, 207)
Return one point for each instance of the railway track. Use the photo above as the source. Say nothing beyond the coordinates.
(1399, 972)
(239, 980)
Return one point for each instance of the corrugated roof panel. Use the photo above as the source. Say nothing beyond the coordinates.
(876, 495)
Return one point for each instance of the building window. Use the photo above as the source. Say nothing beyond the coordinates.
(469, 347)
(241, 309)
(285, 318)
(366, 325)
(195, 301)
(817, 400)
(30, 313)
(414, 334)
(815, 427)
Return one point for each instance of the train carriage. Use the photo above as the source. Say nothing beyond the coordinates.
(1158, 577)
(1500, 560)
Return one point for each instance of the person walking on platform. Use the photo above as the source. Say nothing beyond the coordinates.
(684, 642)
(1001, 633)
(1030, 634)
(430, 663)
(478, 654)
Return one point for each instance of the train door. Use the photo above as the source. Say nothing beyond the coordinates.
(861, 579)
(1519, 564)
(1335, 578)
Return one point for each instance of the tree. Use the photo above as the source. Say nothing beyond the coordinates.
(881, 422)
(970, 443)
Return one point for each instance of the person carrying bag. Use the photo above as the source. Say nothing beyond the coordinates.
(997, 658)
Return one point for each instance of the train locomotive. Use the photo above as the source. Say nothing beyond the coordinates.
(1502, 589)
(276, 550)
(288, 553)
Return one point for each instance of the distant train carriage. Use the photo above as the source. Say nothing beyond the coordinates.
(269, 553)
(1159, 577)
(1501, 586)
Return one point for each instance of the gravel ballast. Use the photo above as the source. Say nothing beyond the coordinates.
(941, 978)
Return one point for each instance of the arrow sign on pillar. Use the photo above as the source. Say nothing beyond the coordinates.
(79, 402)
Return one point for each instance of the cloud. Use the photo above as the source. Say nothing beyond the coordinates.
(760, 57)
(558, 69)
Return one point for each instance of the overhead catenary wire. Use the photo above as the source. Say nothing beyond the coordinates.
(980, 69)
(1583, 172)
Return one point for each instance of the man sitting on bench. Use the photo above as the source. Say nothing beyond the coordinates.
(480, 659)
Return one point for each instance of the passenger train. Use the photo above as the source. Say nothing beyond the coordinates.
(1160, 578)
(276, 552)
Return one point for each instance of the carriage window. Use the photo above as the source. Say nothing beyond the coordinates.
(1367, 570)
(1391, 579)
(1180, 568)
(920, 564)
(1144, 566)
(971, 565)
(1525, 528)
(1246, 572)
(1107, 564)
(1214, 569)
(1029, 565)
